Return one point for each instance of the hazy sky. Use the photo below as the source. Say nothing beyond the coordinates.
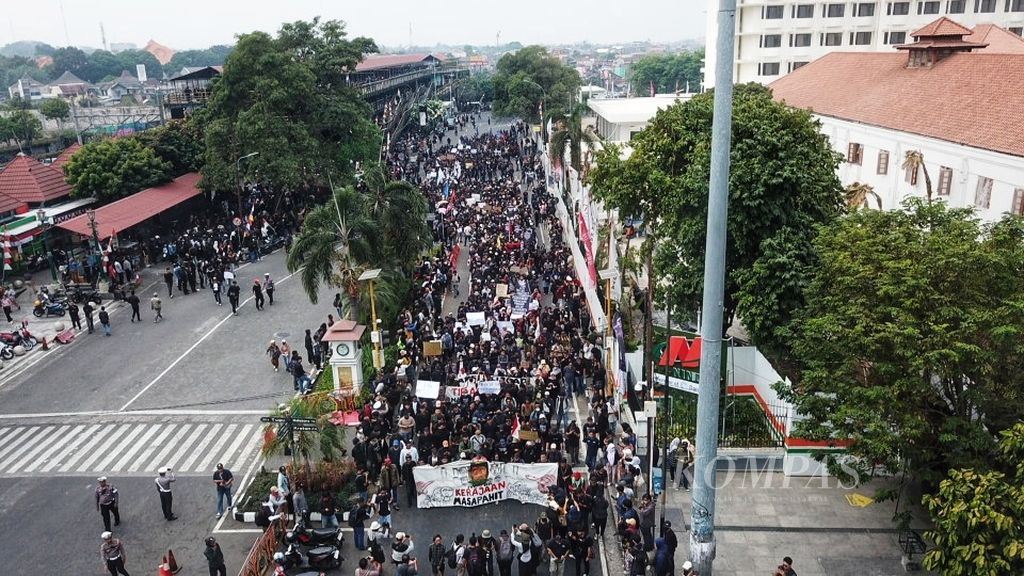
(183, 24)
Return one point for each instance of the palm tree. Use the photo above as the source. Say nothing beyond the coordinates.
(570, 133)
(913, 160)
(400, 211)
(338, 241)
(327, 442)
(858, 195)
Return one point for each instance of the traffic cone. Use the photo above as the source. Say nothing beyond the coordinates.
(172, 564)
(45, 345)
(163, 569)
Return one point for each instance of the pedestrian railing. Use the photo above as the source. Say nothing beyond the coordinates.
(261, 555)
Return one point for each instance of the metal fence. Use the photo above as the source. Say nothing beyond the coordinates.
(742, 421)
(261, 555)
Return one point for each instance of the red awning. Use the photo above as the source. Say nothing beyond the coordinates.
(127, 212)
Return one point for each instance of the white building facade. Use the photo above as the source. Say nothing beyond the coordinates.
(774, 37)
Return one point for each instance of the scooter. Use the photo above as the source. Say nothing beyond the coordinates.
(48, 309)
(319, 558)
(314, 536)
(6, 352)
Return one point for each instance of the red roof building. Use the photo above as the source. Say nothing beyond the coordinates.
(27, 180)
(378, 61)
(997, 40)
(63, 157)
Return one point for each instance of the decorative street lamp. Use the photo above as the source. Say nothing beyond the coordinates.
(375, 336)
(42, 218)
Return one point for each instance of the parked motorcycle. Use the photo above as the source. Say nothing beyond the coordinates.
(314, 536)
(319, 558)
(78, 294)
(21, 337)
(47, 309)
(6, 352)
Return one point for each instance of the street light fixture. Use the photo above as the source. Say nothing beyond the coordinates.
(238, 170)
(370, 276)
(42, 218)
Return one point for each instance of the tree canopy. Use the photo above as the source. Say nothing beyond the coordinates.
(212, 56)
(55, 109)
(286, 98)
(22, 126)
(529, 77)
(782, 185)
(114, 168)
(977, 515)
(667, 72)
(179, 143)
(911, 344)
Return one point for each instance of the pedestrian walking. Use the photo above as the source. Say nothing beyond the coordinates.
(338, 304)
(257, 294)
(7, 301)
(215, 287)
(233, 294)
(156, 305)
(310, 356)
(112, 553)
(169, 280)
(223, 479)
(215, 558)
(73, 312)
(163, 486)
(105, 320)
(134, 301)
(268, 287)
(274, 351)
(87, 310)
(106, 502)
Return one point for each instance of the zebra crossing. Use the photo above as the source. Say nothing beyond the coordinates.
(125, 449)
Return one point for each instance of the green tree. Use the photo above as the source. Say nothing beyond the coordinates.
(782, 186)
(55, 109)
(977, 516)
(399, 211)
(25, 126)
(130, 58)
(69, 59)
(570, 135)
(667, 72)
(531, 77)
(476, 88)
(101, 66)
(212, 56)
(287, 99)
(112, 169)
(911, 344)
(859, 195)
(180, 143)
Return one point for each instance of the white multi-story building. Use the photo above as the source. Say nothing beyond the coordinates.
(775, 37)
(951, 98)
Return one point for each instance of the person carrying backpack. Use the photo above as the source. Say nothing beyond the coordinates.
(505, 552)
(454, 556)
(476, 558)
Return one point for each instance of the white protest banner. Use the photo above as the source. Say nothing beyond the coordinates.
(489, 387)
(475, 318)
(505, 326)
(428, 389)
(456, 392)
(468, 484)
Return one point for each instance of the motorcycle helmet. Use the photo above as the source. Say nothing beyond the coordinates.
(279, 558)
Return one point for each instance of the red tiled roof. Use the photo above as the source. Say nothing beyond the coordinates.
(967, 98)
(375, 61)
(28, 180)
(127, 212)
(940, 42)
(999, 40)
(10, 204)
(63, 157)
(941, 27)
(162, 53)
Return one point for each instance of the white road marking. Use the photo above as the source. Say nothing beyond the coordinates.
(152, 446)
(89, 446)
(181, 453)
(96, 453)
(79, 438)
(226, 456)
(38, 447)
(202, 446)
(171, 445)
(11, 443)
(136, 446)
(110, 454)
(200, 465)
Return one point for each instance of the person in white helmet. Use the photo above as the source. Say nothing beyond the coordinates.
(112, 553)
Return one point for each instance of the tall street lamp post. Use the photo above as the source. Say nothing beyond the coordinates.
(42, 218)
(370, 276)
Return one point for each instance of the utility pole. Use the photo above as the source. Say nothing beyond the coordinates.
(702, 536)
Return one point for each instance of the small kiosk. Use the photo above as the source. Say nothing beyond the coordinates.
(346, 358)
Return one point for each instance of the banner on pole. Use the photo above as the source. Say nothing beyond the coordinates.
(474, 483)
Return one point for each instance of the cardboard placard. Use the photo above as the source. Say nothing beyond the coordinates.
(432, 348)
(501, 290)
(527, 435)
(522, 270)
(475, 318)
(428, 389)
(489, 387)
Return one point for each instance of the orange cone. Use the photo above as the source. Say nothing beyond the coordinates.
(163, 569)
(172, 563)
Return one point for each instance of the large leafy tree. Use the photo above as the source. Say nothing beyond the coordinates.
(571, 136)
(911, 344)
(180, 143)
(114, 168)
(399, 211)
(69, 59)
(531, 77)
(782, 185)
(286, 98)
(977, 516)
(212, 56)
(667, 72)
(24, 126)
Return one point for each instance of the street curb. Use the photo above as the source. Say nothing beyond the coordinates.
(250, 517)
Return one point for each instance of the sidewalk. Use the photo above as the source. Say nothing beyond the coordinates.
(762, 517)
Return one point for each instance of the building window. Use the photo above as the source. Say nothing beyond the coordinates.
(834, 10)
(799, 40)
(983, 193)
(771, 40)
(883, 162)
(1018, 30)
(803, 11)
(794, 65)
(898, 8)
(985, 6)
(1018, 202)
(1015, 5)
(945, 181)
(832, 39)
(930, 7)
(910, 175)
(772, 13)
(855, 153)
(895, 37)
(865, 9)
(768, 69)
(956, 7)
(860, 38)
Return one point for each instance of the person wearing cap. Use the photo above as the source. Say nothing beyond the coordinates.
(223, 479)
(163, 486)
(215, 557)
(257, 293)
(156, 305)
(268, 287)
(688, 569)
(112, 554)
(106, 502)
